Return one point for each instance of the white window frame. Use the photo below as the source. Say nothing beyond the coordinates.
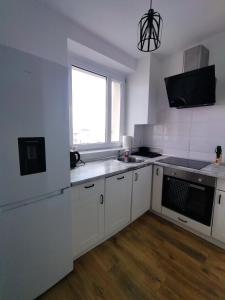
(110, 76)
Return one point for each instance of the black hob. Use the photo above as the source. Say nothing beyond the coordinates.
(145, 151)
(183, 162)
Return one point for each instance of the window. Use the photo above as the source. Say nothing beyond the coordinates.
(115, 111)
(96, 110)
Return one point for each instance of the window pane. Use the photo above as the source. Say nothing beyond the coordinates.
(88, 107)
(115, 112)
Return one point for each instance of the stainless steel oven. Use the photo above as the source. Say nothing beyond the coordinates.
(189, 194)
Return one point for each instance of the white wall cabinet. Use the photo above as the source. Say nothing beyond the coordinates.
(117, 202)
(218, 229)
(141, 195)
(157, 189)
(142, 89)
(88, 215)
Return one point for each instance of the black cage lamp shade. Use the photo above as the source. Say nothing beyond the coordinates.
(150, 31)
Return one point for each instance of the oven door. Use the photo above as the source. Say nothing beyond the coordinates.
(189, 199)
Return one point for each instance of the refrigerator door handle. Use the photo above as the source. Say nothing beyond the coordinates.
(33, 200)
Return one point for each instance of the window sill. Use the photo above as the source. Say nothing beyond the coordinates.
(103, 150)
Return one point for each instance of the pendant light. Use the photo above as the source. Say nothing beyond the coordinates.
(150, 31)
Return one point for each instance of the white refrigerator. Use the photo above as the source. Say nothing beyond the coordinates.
(35, 203)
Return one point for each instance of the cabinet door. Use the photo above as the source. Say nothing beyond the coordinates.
(142, 180)
(218, 230)
(157, 189)
(117, 202)
(88, 215)
(36, 248)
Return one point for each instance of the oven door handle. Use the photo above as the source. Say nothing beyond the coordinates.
(182, 220)
(195, 186)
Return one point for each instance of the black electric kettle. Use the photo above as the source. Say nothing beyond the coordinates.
(74, 159)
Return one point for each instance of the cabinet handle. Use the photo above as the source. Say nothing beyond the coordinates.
(184, 221)
(89, 186)
(197, 187)
(135, 176)
(219, 201)
(101, 199)
(157, 171)
(119, 178)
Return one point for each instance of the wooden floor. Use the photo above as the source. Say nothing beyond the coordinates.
(150, 259)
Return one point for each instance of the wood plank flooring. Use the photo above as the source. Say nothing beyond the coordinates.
(150, 259)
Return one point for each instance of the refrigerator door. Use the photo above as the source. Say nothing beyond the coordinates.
(33, 109)
(36, 249)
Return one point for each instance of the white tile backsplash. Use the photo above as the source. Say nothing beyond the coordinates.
(175, 152)
(174, 115)
(192, 133)
(201, 156)
(208, 113)
(177, 142)
(177, 129)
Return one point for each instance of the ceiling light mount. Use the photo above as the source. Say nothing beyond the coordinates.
(150, 31)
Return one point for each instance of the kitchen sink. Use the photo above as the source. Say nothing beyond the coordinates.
(131, 159)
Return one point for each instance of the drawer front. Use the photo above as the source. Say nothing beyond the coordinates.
(91, 188)
(220, 184)
(187, 221)
(120, 178)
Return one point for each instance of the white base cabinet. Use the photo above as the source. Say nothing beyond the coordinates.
(218, 230)
(103, 207)
(157, 189)
(141, 196)
(88, 215)
(187, 222)
(117, 202)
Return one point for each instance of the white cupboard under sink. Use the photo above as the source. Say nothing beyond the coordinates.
(218, 229)
(141, 195)
(88, 215)
(117, 202)
(103, 207)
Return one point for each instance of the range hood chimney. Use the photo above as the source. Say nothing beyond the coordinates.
(195, 58)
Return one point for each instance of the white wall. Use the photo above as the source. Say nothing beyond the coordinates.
(192, 132)
(32, 27)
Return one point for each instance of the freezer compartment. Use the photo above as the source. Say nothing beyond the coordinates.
(36, 247)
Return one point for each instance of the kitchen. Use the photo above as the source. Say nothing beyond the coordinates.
(116, 225)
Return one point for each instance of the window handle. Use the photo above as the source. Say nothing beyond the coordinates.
(89, 186)
(157, 171)
(219, 201)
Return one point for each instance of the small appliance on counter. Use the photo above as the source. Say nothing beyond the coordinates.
(145, 151)
(74, 159)
(219, 159)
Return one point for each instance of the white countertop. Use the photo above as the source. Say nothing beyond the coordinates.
(107, 168)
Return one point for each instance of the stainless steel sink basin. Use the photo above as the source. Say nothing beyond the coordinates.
(131, 159)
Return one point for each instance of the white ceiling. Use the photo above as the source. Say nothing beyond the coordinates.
(185, 21)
